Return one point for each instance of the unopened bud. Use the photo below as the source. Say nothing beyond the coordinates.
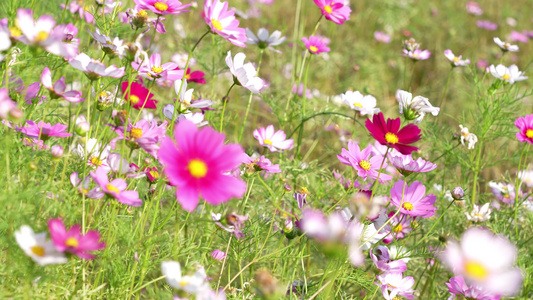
(287, 187)
(56, 151)
(82, 128)
(218, 255)
(32, 166)
(458, 193)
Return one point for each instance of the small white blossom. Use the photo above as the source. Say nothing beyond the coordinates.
(418, 105)
(469, 138)
(479, 213)
(366, 105)
(37, 247)
(265, 41)
(506, 46)
(245, 73)
(510, 75)
(190, 284)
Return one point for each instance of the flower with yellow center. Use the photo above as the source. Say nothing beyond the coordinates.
(161, 6)
(136, 132)
(154, 174)
(95, 161)
(456, 59)
(38, 250)
(41, 36)
(328, 9)
(134, 99)
(267, 142)
(313, 49)
(398, 228)
(506, 77)
(391, 138)
(72, 242)
(142, 14)
(476, 270)
(187, 76)
(15, 31)
(112, 188)
(365, 164)
(157, 70)
(529, 133)
(197, 168)
(408, 206)
(216, 24)
(357, 104)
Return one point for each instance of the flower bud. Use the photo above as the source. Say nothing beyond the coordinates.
(56, 151)
(104, 100)
(16, 113)
(287, 187)
(82, 128)
(218, 255)
(458, 193)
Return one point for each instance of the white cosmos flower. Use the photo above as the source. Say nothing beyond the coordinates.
(190, 284)
(366, 105)
(479, 213)
(526, 177)
(418, 105)
(469, 138)
(505, 46)
(456, 60)
(37, 247)
(510, 75)
(265, 41)
(197, 118)
(185, 96)
(245, 73)
(96, 155)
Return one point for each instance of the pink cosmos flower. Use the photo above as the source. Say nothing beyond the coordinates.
(456, 60)
(407, 165)
(153, 69)
(315, 45)
(145, 135)
(390, 134)
(398, 227)
(138, 18)
(222, 21)
(382, 37)
(525, 125)
(138, 96)
(273, 140)
(394, 284)
(415, 202)
(58, 89)
(459, 288)
(519, 37)
(94, 68)
(6, 104)
(195, 76)
(363, 163)
(73, 241)
(234, 223)
(44, 131)
(382, 260)
(261, 164)
(218, 255)
(197, 164)
(82, 185)
(116, 188)
(488, 25)
(162, 7)
(78, 8)
(417, 54)
(334, 10)
(472, 7)
(485, 259)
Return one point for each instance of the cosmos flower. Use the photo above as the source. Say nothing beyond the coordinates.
(234, 223)
(265, 41)
(521, 37)
(116, 188)
(5, 36)
(44, 131)
(479, 213)
(506, 46)
(473, 8)
(82, 186)
(417, 54)
(382, 37)
(195, 76)
(57, 90)
(315, 45)
(259, 164)
(393, 285)
(485, 259)
(456, 61)
(145, 135)
(110, 46)
(78, 8)
(383, 262)
(162, 7)
(218, 255)
(274, 141)
(153, 69)
(138, 96)
(197, 162)
(365, 105)
(407, 165)
(398, 227)
(6, 104)
(415, 108)
(190, 284)
(509, 75)
(525, 127)
(527, 177)
(222, 21)
(185, 98)
(504, 192)
(414, 202)
(335, 11)
(457, 287)
(245, 73)
(488, 25)
(37, 247)
(73, 241)
(94, 68)
(389, 134)
(363, 163)
(468, 137)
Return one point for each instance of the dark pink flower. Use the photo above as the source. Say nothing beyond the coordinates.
(525, 125)
(44, 131)
(73, 240)
(412, 200)
(390, 134)
(138, 96)
(162, 7)
(459, 288)
(334, 10)
(315, 45)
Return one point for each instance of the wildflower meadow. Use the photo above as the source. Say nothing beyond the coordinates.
(266, 149)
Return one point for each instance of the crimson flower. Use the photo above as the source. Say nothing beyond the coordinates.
(389, 134)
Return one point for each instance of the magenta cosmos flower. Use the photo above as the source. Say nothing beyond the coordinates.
(162, 7)
(57, 90)
(197, 162)
(138, 96)
(145, 135)
(363, 163)
(389, 134)
(407, 165)
(153, 69)
(73, 240)
(223, 22)
(116, 188)
(525, 125)
(415, 202)
(334, 10)
(274, 141)
(315, 44)
(44, 131)
(460, 289)
(398, 228)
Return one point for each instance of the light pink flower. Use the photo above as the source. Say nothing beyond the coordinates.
(222, 21)
(116, 188)
(414, 202)
(363, 163)
(488, 25)
(153, 69)
(275, 141)
(407, 165)
(145, 135)
(334, 10)
(417, 54)
(382, 37)
(6, 104)
(456, 60)
(398, 227)
(472, 7)
(394, 284)
(82, 185)
(57, 90)
(94, 68)
(458, 288)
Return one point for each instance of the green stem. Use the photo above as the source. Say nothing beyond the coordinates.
(435, 224)
(476, 173)
(225, 99)
(250, 99)
(443, 99)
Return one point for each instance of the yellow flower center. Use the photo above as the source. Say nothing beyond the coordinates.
(183, 282)
(134, 99)
(391, 138)
(328, 9)
(456, 59)
(365, 164)
(112, 188)
(154, 174)
(506, 45)
(398, 228)
(357, 105)
(161, 6)
(95, 161)
(38, 250)
(476, 270)
(506, 77)
(41, 36)
(157, 70)
(142, 13)
(84, 191)
(313, 49)
(197, 168)
(136, 133)
(15, 31)
(216, 24)
(267, 141)
(408, 206)
(529, 133)
(304, 190)
(72, 242)
(187, 76)
(103, 95)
